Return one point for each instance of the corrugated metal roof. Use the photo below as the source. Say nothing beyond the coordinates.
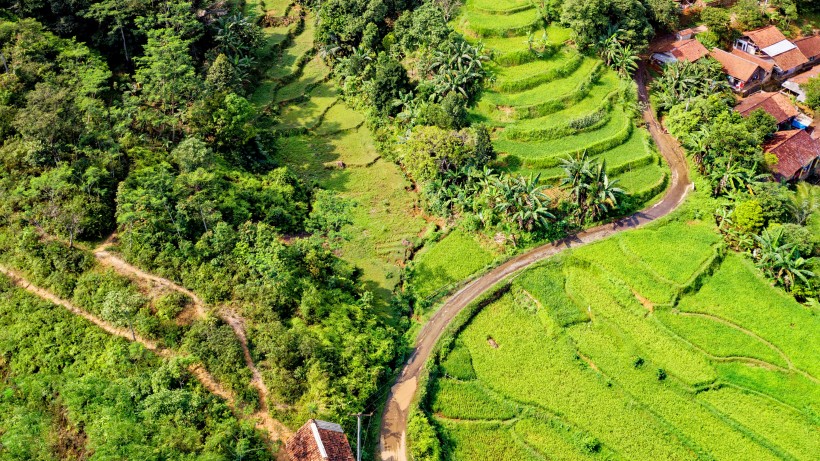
(779, 48)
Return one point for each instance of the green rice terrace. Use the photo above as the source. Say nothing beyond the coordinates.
(548, 101)
(634, 349)
(327, 143)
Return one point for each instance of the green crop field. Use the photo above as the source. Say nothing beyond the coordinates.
(455, 258)
(547, 105)
(653, 344)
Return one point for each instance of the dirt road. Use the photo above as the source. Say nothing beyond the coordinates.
(393, 440)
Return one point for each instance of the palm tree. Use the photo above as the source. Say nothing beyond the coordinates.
(781, 261)
(804, 202)
(604, 194)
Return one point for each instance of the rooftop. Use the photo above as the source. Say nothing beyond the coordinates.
(777, 105)
(319, 441)
(809, 46)
(765, 64)
(790, 59)
(794, 150)
(735, 66)
(766, 36)
(688, 50)
(801, 79)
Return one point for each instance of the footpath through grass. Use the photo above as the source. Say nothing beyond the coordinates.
(654, 344)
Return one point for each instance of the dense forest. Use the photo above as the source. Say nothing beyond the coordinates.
(137, 119)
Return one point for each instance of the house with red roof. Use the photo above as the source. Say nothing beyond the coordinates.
(689, 50)
(769, 44)
(778, 105)
(810, 47)
(744, 75)
(798, 154)
(319, 441)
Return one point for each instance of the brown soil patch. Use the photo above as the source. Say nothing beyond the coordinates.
(645, 302)
(492, 342)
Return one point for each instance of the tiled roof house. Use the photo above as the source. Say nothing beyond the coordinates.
(777, 105)
(682, 50)
(798, 154)
(770, 44)
(744, 75)
(810, 47)
(319, 441)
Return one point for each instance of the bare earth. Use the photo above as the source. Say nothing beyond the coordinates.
(393, 440)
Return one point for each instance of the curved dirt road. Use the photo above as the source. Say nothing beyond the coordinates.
(393, 438)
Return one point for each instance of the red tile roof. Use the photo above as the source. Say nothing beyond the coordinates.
(688, 50)
(801, 79)
(766, 65)
(766, 36)
(790, 59)
(319, 441)
(794, 149)
(735, 66)
(777, 105)
(810, 46)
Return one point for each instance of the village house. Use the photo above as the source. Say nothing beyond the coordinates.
(319, 441)
(795, 84)
(744, 76)
(769, 44)
(689, 50)
(810, 47)
(777, 105)
(798, 155)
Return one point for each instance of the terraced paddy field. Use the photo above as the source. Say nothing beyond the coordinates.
(551, 102)
(653, 344)
(326, 143)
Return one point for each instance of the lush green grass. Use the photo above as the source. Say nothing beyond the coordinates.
(498, 6)
(313, 73)
(553, 150)
(383, 219)
(308, 113)
(644, 178)
(453, 259)
(482, 440)
(458, 363)
(468, 400)
(739, 294)
(289, 61)
(638, 381)
(528, 75)
(506, 45)
(497, 25)
(547, 91)
(340, 118)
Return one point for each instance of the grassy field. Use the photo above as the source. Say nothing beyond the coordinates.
(653, 344)
(325, 142)
(454, 258)
(547, 106)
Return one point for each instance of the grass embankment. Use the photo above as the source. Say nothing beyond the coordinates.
(549, 102)
(634, 348)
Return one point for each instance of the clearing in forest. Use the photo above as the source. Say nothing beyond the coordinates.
(633, 349)
(326, 143)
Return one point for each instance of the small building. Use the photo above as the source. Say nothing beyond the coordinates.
(798, 155)
(689, 50)
(767, 66)
(319, 441)
(770, 44)
(778, 105)
(795, 84)
(810, 47)
(744, 76)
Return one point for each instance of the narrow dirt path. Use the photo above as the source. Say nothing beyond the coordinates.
(262, 420)
(393, 440)
(228, 315)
